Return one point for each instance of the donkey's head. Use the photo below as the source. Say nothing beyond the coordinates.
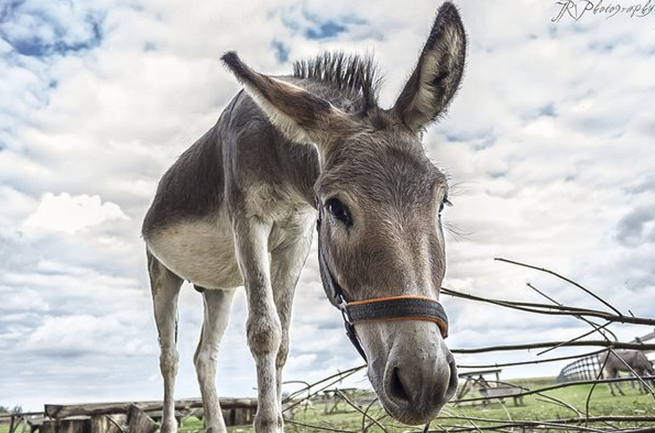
(379, 200)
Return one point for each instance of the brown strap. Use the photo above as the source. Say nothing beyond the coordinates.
(405, 307)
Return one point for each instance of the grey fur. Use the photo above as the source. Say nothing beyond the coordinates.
(351, 74)
(238, 209)
(620, 360)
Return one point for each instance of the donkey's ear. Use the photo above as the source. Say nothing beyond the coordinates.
(437, 75)
(300, 115)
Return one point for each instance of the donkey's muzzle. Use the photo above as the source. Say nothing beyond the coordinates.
(417, 388)
(392, 308)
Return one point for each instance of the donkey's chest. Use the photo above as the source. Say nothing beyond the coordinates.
(202, 251)
(199, 251)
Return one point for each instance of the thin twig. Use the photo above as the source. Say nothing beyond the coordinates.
(339, 377)
(532, 307)
(552, 400)
(370, 405)
(615, 345)
(561, 277)
(595, 326)
(631, 370)
(369, 425)
(541, 394)
(113, 421)
(320, 427)
(582, 422)
(551, 387)
(579, 337)
(554, 301)
(591, 390)
(536, 361)
(566, 424)
(357, 408)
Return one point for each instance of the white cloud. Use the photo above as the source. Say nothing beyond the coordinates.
(549, 144)
(15, 206)
(73, 333)
(23, 301)
(81, 334)
(72, 214)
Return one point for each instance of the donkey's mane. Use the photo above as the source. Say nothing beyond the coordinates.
(350, 73)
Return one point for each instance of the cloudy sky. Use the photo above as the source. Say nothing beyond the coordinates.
(550, 147)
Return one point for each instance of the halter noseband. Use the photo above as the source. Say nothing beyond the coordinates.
(393, 308)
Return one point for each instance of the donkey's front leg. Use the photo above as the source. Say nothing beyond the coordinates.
(263, 325)
(165, 287)
(287, 262)
(217, 311)
(613, 374)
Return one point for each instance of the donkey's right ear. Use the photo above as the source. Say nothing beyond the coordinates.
(299, 114)
(437, 75)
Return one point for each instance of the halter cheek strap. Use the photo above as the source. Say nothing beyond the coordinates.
(404, 307)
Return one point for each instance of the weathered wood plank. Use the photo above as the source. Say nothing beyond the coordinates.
(116, 423)
(500, 393)
(99, 424)
(67, 426)
(239, 416)
(140, 422)
(59, 411)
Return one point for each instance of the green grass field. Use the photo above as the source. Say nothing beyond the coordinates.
(535, 408)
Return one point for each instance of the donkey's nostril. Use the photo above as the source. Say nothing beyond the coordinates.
(396, 387)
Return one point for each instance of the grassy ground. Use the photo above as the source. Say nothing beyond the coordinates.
(535, 408)
(541, 408)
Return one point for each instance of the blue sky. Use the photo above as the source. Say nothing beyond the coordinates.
(549, 146)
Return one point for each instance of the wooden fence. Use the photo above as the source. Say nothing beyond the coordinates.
(141, 417)
(587, 368)
(123, 417)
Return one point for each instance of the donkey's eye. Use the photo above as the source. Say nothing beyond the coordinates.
(339, 211)
(443, 204)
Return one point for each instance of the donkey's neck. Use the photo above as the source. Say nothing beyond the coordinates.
(243, 150)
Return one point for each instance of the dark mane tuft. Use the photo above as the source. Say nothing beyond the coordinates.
(350, 73)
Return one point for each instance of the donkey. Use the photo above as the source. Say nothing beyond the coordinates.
(626, 360)
(238, 208)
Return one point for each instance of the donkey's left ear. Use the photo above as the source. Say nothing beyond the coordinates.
(437, 75)
(299, 114)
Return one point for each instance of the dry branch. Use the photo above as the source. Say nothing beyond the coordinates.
(561, 277)
(556, 386)
(528, 346)
(581, 422)
(535, 361)
(59, 411)
(554, 310)
(553, 423)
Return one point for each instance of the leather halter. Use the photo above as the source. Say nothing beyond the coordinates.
(393, 308)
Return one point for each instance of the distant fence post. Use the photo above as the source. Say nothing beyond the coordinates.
(585, 368)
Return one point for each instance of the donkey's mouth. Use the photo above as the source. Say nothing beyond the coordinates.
(413, 389)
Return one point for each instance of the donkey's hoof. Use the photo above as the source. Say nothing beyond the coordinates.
(275, 425)
(168, 427)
